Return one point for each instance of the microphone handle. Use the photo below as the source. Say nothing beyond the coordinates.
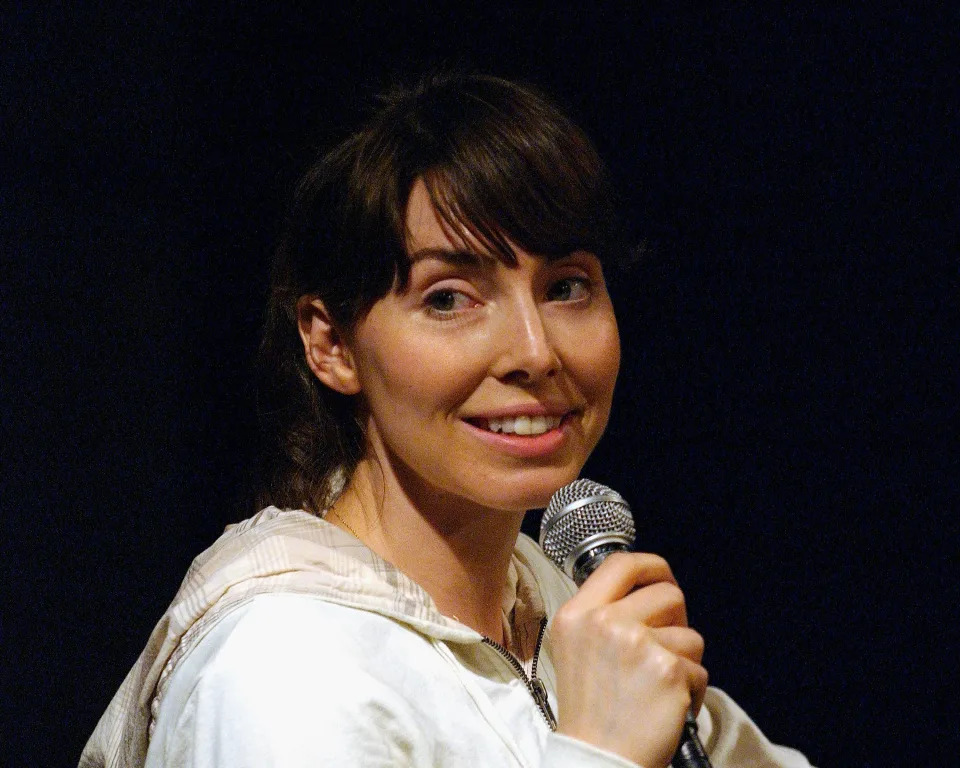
(690, 752)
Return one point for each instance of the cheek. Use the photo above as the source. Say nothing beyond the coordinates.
(417, 373)
(599, 359)
(613, 356)
(607, 366)
(391, 383)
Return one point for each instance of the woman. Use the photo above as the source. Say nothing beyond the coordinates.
(440, 356)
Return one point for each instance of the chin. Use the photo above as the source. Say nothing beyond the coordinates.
(529, 493)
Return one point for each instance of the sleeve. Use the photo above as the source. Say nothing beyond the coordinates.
(733, 740)
(565, 752)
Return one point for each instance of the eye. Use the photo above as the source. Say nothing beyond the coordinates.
(569, 289)
(446, 302)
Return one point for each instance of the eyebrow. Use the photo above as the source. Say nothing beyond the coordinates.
(457, 256)
(464, 257)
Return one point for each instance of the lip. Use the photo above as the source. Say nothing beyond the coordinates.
(523, 409)
(524, 446)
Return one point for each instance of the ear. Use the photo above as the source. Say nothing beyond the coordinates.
(327, 355)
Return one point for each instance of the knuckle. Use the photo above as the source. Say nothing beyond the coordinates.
(659, 563)
(698, 644)
(626, 636)
(658, 560)
(674, 594)
(633, 637)
(619, 559)
(602, 621)
(703, 678)
(668, 666)
(699, 640)
(674, 603)
(565, 620)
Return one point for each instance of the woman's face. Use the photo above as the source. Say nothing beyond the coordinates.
(488, 382)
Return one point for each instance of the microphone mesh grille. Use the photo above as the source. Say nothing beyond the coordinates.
(561, 534)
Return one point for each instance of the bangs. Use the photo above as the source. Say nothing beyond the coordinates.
(503, 168)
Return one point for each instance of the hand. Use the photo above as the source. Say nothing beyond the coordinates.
(628, 667)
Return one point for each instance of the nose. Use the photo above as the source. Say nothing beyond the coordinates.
(527, 353)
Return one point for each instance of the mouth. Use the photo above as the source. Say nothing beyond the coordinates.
(524, 425)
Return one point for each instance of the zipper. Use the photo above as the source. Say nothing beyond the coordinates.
(535, 686)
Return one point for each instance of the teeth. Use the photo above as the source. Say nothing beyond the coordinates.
(524, 425)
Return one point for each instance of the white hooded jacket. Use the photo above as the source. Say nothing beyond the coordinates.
(291, 644)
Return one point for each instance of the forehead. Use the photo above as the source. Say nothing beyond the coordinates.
(427, 231)
(430, 232)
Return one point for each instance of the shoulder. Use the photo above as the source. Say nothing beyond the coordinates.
(285, 638)
(281, 645)
(285, 679)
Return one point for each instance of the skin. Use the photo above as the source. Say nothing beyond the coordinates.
(471, 338)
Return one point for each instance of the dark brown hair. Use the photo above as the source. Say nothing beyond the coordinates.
(499, 161)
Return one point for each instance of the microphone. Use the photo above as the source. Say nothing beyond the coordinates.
(583, 524)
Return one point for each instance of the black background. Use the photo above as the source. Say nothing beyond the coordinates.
(788, 399)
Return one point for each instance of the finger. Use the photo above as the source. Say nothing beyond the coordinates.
(656, 605)
(698, 679)
(688, 675)
(682, 641)
(620, 574)
(676, 673)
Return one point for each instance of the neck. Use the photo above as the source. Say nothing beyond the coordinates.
(457, 551)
